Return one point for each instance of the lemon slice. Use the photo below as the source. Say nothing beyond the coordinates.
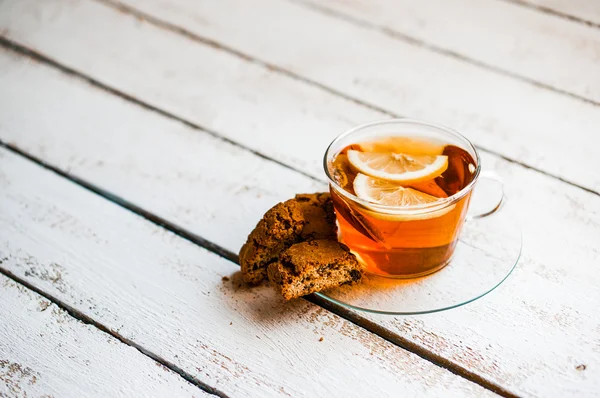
(398, 167)
(389, 193)
(408, 145)
(392, 194)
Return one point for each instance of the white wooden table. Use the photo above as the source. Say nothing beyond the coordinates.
(141, 140)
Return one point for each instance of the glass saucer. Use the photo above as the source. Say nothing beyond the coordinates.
(487, 252)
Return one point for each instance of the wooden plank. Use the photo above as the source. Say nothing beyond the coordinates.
(226, 185)
(187, 305)
(538, 47)
(44, 351)
(203, 84)
(586, 11)
(530, 336)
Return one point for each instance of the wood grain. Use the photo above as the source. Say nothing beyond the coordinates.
(586, 11)
(46, 352)
(202, 83)
(187, 305)
(531, 336)
(538, 47)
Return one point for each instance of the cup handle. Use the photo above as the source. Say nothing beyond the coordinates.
(493, 203)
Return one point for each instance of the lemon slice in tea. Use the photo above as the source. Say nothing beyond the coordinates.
(412, 145)
(392, 194)
(398, 167)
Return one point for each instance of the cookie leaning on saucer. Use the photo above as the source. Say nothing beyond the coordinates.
(306, 217)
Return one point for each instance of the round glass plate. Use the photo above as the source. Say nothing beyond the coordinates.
(488, 250)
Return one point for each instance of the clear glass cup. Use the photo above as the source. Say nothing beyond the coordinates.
(408, 241)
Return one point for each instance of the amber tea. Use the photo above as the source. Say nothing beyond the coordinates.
(397, 201)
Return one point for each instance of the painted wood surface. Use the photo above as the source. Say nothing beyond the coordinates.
(155, 160)
(587, 11)
(187, 305)
(203, 83)
(497, 35)
(521, 337)
(45, 352)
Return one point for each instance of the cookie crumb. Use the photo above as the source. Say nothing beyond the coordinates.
(225, 279)
(321, 339)
(230, 323)
(580, 367)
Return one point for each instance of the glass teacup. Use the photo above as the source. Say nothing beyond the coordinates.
(401, 190)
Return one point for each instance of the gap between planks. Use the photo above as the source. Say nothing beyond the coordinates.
(344, 313)
(221, 47)
(89, 321)
(556, 13)
(430, 47)
(22, 50)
